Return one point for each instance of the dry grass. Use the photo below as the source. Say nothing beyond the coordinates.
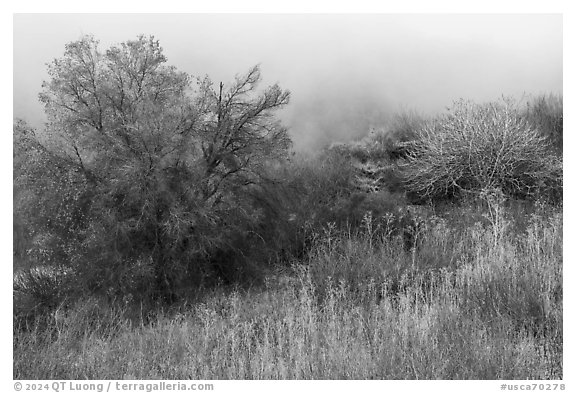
(485, 303)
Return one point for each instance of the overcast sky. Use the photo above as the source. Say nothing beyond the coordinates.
(347, 73)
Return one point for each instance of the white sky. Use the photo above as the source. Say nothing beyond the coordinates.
(346, 72)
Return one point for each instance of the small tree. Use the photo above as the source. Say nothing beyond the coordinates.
(166, 159)
(479, 147)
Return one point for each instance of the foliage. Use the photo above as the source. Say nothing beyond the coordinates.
(477, 147)
(38, 291)
(495, 313)
(546, 114)
(399, 134)
(51, 199)
(144, 171)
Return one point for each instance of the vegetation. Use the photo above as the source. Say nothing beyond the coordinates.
(546, 114)
(493, 311)
(163, 229)
(149, 182)
(482, 147)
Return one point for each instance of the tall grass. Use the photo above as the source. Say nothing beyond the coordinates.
(485, 303)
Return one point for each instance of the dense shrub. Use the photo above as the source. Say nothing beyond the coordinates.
(323, 183)
(546, 114)
(399, 133)
(476, 147)
(38, 291)
(374, 159)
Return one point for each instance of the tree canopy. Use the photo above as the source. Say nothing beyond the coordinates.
(164, 159)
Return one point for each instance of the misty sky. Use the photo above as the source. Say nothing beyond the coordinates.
(347, 73)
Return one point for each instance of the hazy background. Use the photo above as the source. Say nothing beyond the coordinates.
(347, 73)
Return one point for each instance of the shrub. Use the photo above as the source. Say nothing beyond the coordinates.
(323, 183)
(38, 291)
(476, 147)
(399, 133)
(374, 159)
(546, 114)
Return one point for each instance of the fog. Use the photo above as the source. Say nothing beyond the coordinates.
(347, 73)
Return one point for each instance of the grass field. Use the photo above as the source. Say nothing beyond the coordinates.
(478, 301)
